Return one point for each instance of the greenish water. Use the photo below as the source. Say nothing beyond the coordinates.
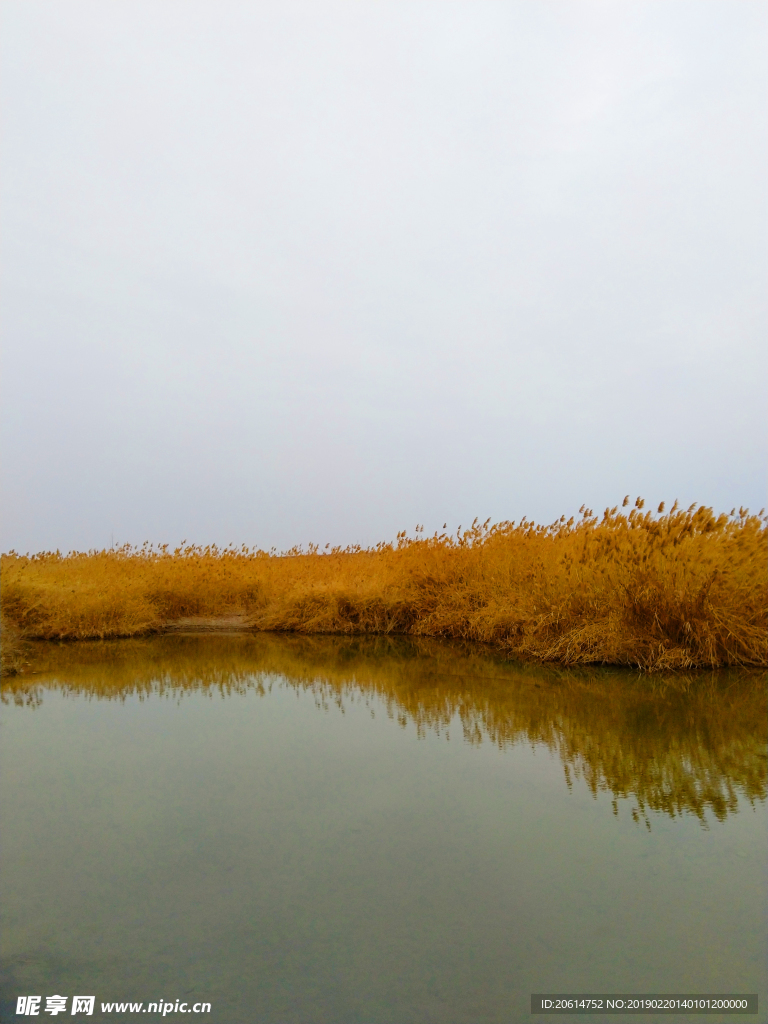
(320, 830)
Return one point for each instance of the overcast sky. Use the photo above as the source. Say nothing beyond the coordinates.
(278, 272)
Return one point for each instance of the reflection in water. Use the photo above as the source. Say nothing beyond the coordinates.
(675, 744)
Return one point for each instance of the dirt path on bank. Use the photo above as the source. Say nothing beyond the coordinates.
(204, 624)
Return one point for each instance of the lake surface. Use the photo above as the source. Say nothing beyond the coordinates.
(328, 830)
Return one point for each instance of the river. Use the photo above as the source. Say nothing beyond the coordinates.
(374, 830)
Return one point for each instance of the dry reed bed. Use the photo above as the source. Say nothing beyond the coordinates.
(683, 589)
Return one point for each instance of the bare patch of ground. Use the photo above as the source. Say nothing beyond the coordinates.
(207, 624)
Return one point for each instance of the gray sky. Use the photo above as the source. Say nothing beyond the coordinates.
(277, 272)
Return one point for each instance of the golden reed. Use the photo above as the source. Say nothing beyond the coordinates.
(682, 589)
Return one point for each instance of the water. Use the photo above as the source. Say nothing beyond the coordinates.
(324, 830)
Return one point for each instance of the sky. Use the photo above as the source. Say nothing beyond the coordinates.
(276, 273)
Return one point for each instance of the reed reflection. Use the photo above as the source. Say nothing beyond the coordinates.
(674, 743)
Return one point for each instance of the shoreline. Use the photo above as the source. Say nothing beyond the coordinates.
(15, 664)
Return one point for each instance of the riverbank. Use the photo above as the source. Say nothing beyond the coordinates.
(685, 589)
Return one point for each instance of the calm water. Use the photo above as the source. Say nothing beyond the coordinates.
(336, 831)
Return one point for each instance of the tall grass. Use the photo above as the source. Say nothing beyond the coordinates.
(681, 589)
